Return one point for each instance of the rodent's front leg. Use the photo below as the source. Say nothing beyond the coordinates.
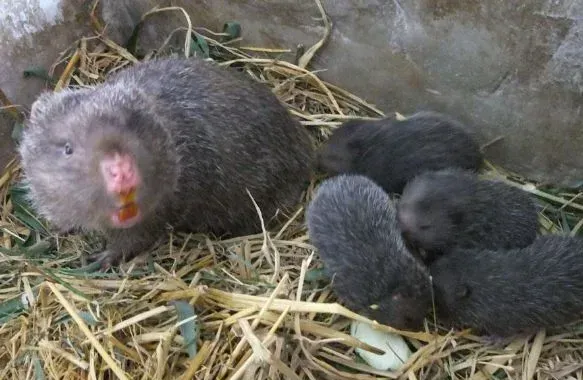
(125, 244)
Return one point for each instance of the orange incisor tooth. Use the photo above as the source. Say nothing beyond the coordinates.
(128, 211)
(128, 197)
(129, 208)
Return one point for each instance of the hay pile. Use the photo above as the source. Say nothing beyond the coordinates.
(253, 307)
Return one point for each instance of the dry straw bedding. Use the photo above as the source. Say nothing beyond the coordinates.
(253, 307)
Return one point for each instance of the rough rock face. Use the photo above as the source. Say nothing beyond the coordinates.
(33, 33)
(508, 71)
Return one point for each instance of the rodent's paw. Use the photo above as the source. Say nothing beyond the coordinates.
(496, 341)
(106, 259)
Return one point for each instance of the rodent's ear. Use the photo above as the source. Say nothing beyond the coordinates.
(462, 291)
(354, 145)
(457, 217)
(351, 130)
(351, 125)
(402, 295)
(41, 104)
(320, 160)
(50, 101)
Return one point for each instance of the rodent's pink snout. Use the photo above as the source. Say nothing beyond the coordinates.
(120, 173)
(405, 220)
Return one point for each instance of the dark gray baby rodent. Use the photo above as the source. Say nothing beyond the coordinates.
(391, 152)
(352, 223)
(443, 209)
(188, 136)
(510, 292)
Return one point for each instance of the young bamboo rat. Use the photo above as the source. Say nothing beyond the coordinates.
(391, 152)
(352, 222)
(505, 293)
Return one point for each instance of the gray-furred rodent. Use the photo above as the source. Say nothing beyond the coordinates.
(170, 141)
(504, 293)
(439, 210)
(391, 152)
(352, 223)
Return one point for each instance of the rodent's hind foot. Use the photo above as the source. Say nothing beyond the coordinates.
(106, 259)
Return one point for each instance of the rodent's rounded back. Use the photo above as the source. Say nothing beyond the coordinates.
(355, 199)
(392, 152)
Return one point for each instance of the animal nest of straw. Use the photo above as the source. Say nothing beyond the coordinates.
(248, 307)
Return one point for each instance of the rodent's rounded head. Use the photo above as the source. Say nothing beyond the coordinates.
(452, 291)
(401, 313)
(401, 296)
(405, 307)
(338, 153)
(431, 209)
(68, 138)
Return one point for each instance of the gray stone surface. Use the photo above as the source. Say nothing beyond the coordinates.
(508, 70)
(33, 33)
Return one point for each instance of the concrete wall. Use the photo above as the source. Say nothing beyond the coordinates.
(507, 70)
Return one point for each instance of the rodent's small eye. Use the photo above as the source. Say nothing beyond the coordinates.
(457, 217)
(68, 149)
(424, 227)
(463, 291)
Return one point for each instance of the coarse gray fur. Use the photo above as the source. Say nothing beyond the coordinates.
(201, 134)
(511, 292)
(351, 221)
(391, 152)
(440, 210)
